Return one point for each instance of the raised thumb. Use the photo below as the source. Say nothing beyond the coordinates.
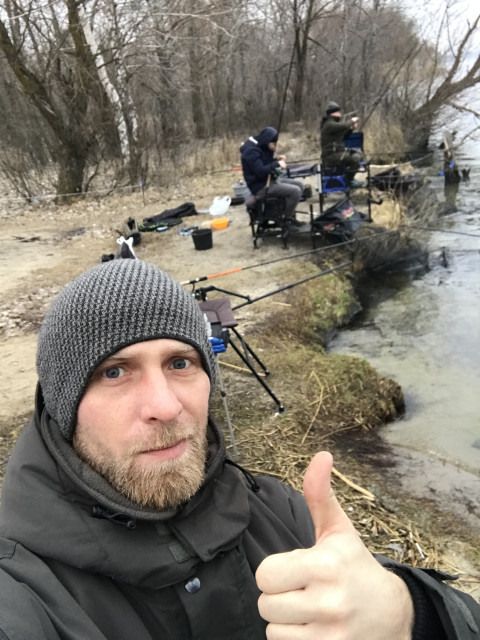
(327, 514)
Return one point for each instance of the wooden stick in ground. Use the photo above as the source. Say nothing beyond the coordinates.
(352, 484)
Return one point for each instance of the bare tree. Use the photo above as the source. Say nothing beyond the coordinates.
(133, 83)
(450, 76)
(298, 18)
(53, 63)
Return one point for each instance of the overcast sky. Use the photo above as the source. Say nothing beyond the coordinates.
(432, 11)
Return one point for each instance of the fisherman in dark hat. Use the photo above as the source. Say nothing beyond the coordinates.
(262, 170)
(333, 131)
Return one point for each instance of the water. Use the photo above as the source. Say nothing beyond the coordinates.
(425, 334)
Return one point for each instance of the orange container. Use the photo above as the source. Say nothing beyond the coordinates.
(219, 223)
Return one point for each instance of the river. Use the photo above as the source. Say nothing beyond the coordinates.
(424, 332)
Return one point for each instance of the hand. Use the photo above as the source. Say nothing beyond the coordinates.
(282, 164)
(336, 589)
(284, 158)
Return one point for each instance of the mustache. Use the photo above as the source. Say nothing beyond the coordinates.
(163, 439)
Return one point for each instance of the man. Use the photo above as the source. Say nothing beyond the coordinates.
(122, 517)
(333, 131)
(262, 171)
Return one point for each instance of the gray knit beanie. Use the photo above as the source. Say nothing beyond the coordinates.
(105, 309)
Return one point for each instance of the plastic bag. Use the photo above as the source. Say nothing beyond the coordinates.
(125, 250)
(219, 205)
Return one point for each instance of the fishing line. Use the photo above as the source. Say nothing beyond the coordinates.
(458, 233)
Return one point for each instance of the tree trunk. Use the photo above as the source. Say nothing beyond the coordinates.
(417, 127)
(198, 116)
(71, 169)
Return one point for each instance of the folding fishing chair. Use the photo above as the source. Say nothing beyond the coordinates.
(333, 179)
(268, 218)
(219, 314)
(330, 179)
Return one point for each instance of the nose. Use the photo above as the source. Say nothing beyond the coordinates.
(157, 397)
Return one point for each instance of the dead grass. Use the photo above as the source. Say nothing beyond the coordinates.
(382, 139)
(390, 214)
(328, 397)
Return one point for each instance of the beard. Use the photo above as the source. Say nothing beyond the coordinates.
(161, 485)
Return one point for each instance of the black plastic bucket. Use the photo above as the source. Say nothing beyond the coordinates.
(202, 239)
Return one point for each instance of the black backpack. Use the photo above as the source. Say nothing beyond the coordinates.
(168, 218)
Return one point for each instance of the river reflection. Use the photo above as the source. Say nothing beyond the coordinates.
(425, 334)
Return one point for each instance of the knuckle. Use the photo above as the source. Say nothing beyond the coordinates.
(327, 565)
(262, 608)
(271, 632)
(263, 575)
(335, 607)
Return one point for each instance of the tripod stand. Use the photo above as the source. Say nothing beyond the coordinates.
(220, 315)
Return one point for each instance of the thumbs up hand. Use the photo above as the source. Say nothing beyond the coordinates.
(336, 589)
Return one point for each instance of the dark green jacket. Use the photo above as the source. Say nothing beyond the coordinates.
(332, 135)
(79, 562)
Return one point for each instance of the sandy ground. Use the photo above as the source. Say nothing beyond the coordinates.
(43, 248)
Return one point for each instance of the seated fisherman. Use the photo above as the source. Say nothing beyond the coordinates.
(333, 131)
(259, 164)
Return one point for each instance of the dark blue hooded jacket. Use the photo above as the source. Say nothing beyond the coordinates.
(257, 159)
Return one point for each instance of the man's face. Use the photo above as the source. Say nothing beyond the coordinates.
(272, 146)
(142, 422)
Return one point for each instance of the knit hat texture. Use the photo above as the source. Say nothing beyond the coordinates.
(105, 309)
(332, 107)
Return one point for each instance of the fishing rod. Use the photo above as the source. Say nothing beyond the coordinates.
(295, 255)
(286, 85)
(373, 153)
(263, 264)
(343, 265)
(294, 284)
(316, 275)
(317, 160)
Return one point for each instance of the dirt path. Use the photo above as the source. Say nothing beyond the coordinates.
(44, 248)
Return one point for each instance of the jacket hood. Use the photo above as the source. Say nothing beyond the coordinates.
(262, 140)
(60, 509)
(266, 136)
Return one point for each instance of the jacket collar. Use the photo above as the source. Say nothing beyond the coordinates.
(49, 497)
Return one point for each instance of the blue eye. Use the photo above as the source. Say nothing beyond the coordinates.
(113, 372)
(180, 363)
